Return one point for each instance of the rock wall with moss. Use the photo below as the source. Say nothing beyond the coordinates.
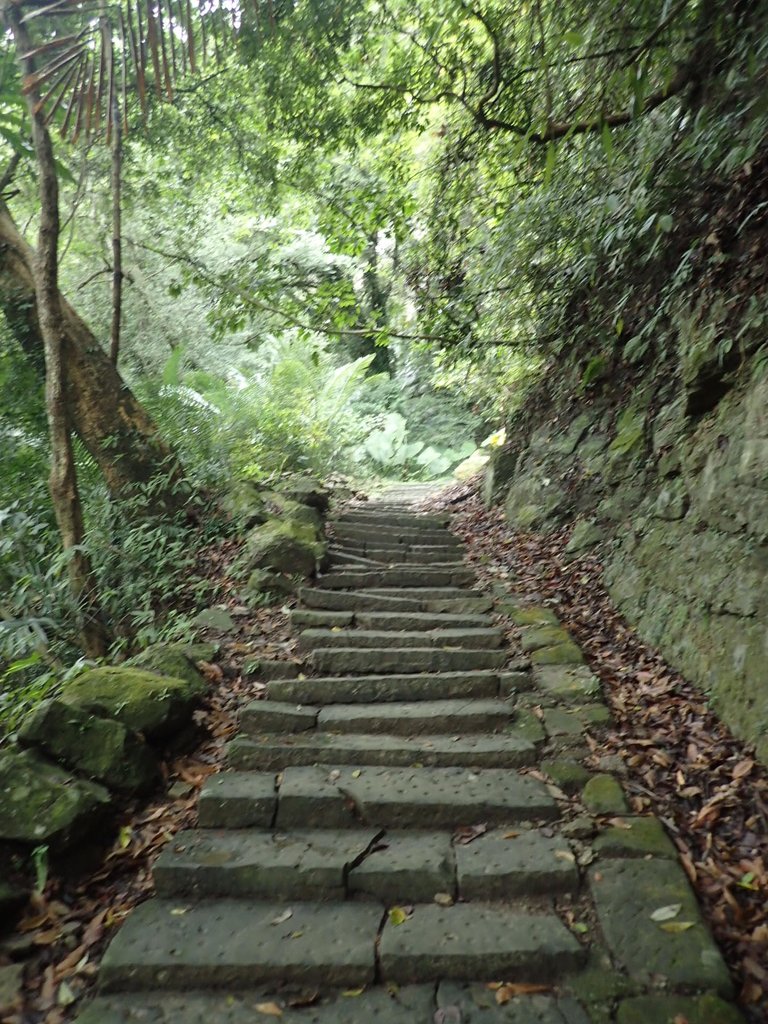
(664, 472)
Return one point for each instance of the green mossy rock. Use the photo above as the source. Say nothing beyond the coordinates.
(40, 803)
(306, 490)
(586, 535)
(246, 505)
(560, 654)
(99, 748)
(570, 776)
(263, 583)
(284, 547)
(532, 638)
(146, 702)
(640, 837)
(177, 660)
(531, 616)
(289, 511)
(604, 795)
(707, 1009)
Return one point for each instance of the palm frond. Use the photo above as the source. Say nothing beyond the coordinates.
(91, 58)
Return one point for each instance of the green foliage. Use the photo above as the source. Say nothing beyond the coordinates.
(292, 409)
(393, 454)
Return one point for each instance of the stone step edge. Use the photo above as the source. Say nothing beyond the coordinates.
(515, 678)
(512, 750)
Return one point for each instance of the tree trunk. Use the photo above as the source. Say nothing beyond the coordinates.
(63, 476)
(102, 410)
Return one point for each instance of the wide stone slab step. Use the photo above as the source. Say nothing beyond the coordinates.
(473, 638)
(407, 620)
(381, 518)
(398, 718)
(440, 599)
(383, 688)
(510, 749)
(347, 796)
(165, 944)
(414, 1004)
(391, 866)
(364, 541)
(415, 718)
(362, 579)
(379, 1004)
(317, 865)
(407, 553)
(347, 660)
(469, 941)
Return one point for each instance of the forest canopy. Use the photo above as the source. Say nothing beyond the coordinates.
(242, 239)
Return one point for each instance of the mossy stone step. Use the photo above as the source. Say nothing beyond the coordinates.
(317, 865)
(470, 941)
(507, 863)
(394, 537)
(383, 688)
(408, 797)
(626, 893)
(510, 749)
(414, 1004)
(402, 556)
(346, 660)
(407, 620)
(439, 599)
(365, 579)
(472, 638)
(415, 718)
(380, 518)
(223, 943)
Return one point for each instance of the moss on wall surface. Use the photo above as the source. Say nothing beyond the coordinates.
(681, 499)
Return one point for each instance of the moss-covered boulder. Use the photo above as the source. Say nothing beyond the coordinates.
(263, 583)
(287, 510)
(306, 490)
(586, 534)
(282, 546)
(177, 660)
(604, 795)
(246, 504)
(535, 501)
(152, 704)
(99, 748)
(40, 803)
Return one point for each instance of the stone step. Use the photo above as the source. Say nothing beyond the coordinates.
(378, 688)
(389, 620)
(435, 557)
(394, 539)
(415, 718)
(475, 639)
(316, 865)
(382, 1004)
(339, 558)
(348, 660)
(399, 718)
(345, 796)
(394, 866)
(377, 518)
(231, 943)
(396, 576)
(414, 1004)
(468, 941)
(437, 599)
(365, 540)
(512, 748)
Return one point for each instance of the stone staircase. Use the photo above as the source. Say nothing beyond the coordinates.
(380, 850)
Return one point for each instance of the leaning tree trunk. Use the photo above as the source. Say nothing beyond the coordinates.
(103, 412)
(63, 476)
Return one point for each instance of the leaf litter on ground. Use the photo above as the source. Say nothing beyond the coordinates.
(683, 763)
